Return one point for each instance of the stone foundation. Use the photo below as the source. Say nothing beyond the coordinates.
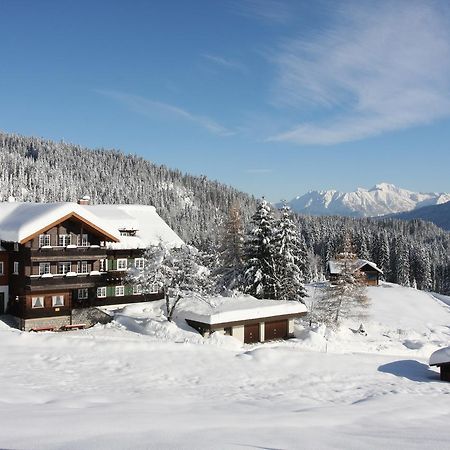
(44, 322)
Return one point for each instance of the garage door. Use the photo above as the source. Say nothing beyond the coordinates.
(277, 329)
(251, 333)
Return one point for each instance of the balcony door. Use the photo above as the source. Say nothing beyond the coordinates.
(2, 303)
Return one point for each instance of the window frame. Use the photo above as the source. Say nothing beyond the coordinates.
(122, 260)
(45, 237)
(83, 240)
(81, 265)
(84, 290)
(64, 240)
(54, 298)
(33, 300)
(122, 288)
(16, 267)
(103, 291)
(137, 289)
(141, 262)
(62, 264)
(45, 264)
(2, 268)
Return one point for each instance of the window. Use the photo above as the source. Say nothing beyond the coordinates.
(83, 267)
(121, 264)
(44, 268)
(120, 291)
(101, 292)
(153, 289)
(2, 268)
(16, 246)
(83, 240)
(16, 268)
(103, 265)
(139, 263)
(57, 300)
(228, 331)
(64, 240)
(83, 294)
(44, 240)
(37, 302)
(63, 268)
(137, 289)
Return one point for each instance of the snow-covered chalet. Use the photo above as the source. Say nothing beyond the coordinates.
(56, 258)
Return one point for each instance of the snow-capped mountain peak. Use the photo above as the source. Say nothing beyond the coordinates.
(383, 198)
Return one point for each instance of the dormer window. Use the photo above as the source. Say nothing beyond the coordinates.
(127, 231)
(44, 240)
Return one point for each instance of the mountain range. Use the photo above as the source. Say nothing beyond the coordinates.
(438, 214)
(380, 200)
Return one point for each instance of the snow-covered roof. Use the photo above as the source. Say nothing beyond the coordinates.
(149, 227)
(216, 310)
(18, 221)
(336, 266)
(440, 356)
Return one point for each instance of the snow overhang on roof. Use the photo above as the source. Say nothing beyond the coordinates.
(217, 310)
(20, 222)
(336, 267)
(441, 356)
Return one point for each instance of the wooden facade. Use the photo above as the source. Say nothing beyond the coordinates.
(62, 267)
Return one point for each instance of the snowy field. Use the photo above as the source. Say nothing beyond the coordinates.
(140, 383)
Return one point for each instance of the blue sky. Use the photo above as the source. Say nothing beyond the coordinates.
(273, 97)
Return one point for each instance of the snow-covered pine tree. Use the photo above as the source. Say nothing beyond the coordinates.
(402, 262)
(290, 258)
(178, 272)
(231, 271)
(259, 251)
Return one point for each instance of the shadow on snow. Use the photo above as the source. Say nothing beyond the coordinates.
(411, 369)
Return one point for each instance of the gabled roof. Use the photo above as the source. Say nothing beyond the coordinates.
(336, 266)
(441, 356)
(19, 222)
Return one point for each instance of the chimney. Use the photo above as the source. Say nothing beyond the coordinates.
(85, 200)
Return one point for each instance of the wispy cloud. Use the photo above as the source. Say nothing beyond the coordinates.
(268, 11)
(382, 68)
(147, 107)
(224, 62)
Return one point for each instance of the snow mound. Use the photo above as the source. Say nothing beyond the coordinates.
(440, 356)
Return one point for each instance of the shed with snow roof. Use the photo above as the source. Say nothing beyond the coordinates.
(441, 359)
(246, 318)
(369, 271)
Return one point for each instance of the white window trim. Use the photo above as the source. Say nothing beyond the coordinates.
(55, 299)
(83, 240)
(42, 265)
(66, 238)
(153, 289)
(137, 289)
(45, 237)
(101, 292)
(16, 268)
(85, 263)
(119, 289)
(2, 268)
(121, 260)
(63, 264)
(139, 263)
(33, 304)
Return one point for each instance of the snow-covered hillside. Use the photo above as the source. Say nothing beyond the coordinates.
(382, 199)
(141, 382)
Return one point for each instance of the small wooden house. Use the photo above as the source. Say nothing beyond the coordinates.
(368, 272)
(246, 318)
(441, 359)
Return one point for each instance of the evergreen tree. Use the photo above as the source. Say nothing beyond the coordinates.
(260, 277)
(290, 259)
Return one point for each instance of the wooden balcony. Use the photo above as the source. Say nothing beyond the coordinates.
(65, 282)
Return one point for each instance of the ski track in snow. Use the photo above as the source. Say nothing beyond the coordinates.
(128, 385)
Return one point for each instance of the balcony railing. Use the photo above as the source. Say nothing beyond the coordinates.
(65, 282)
